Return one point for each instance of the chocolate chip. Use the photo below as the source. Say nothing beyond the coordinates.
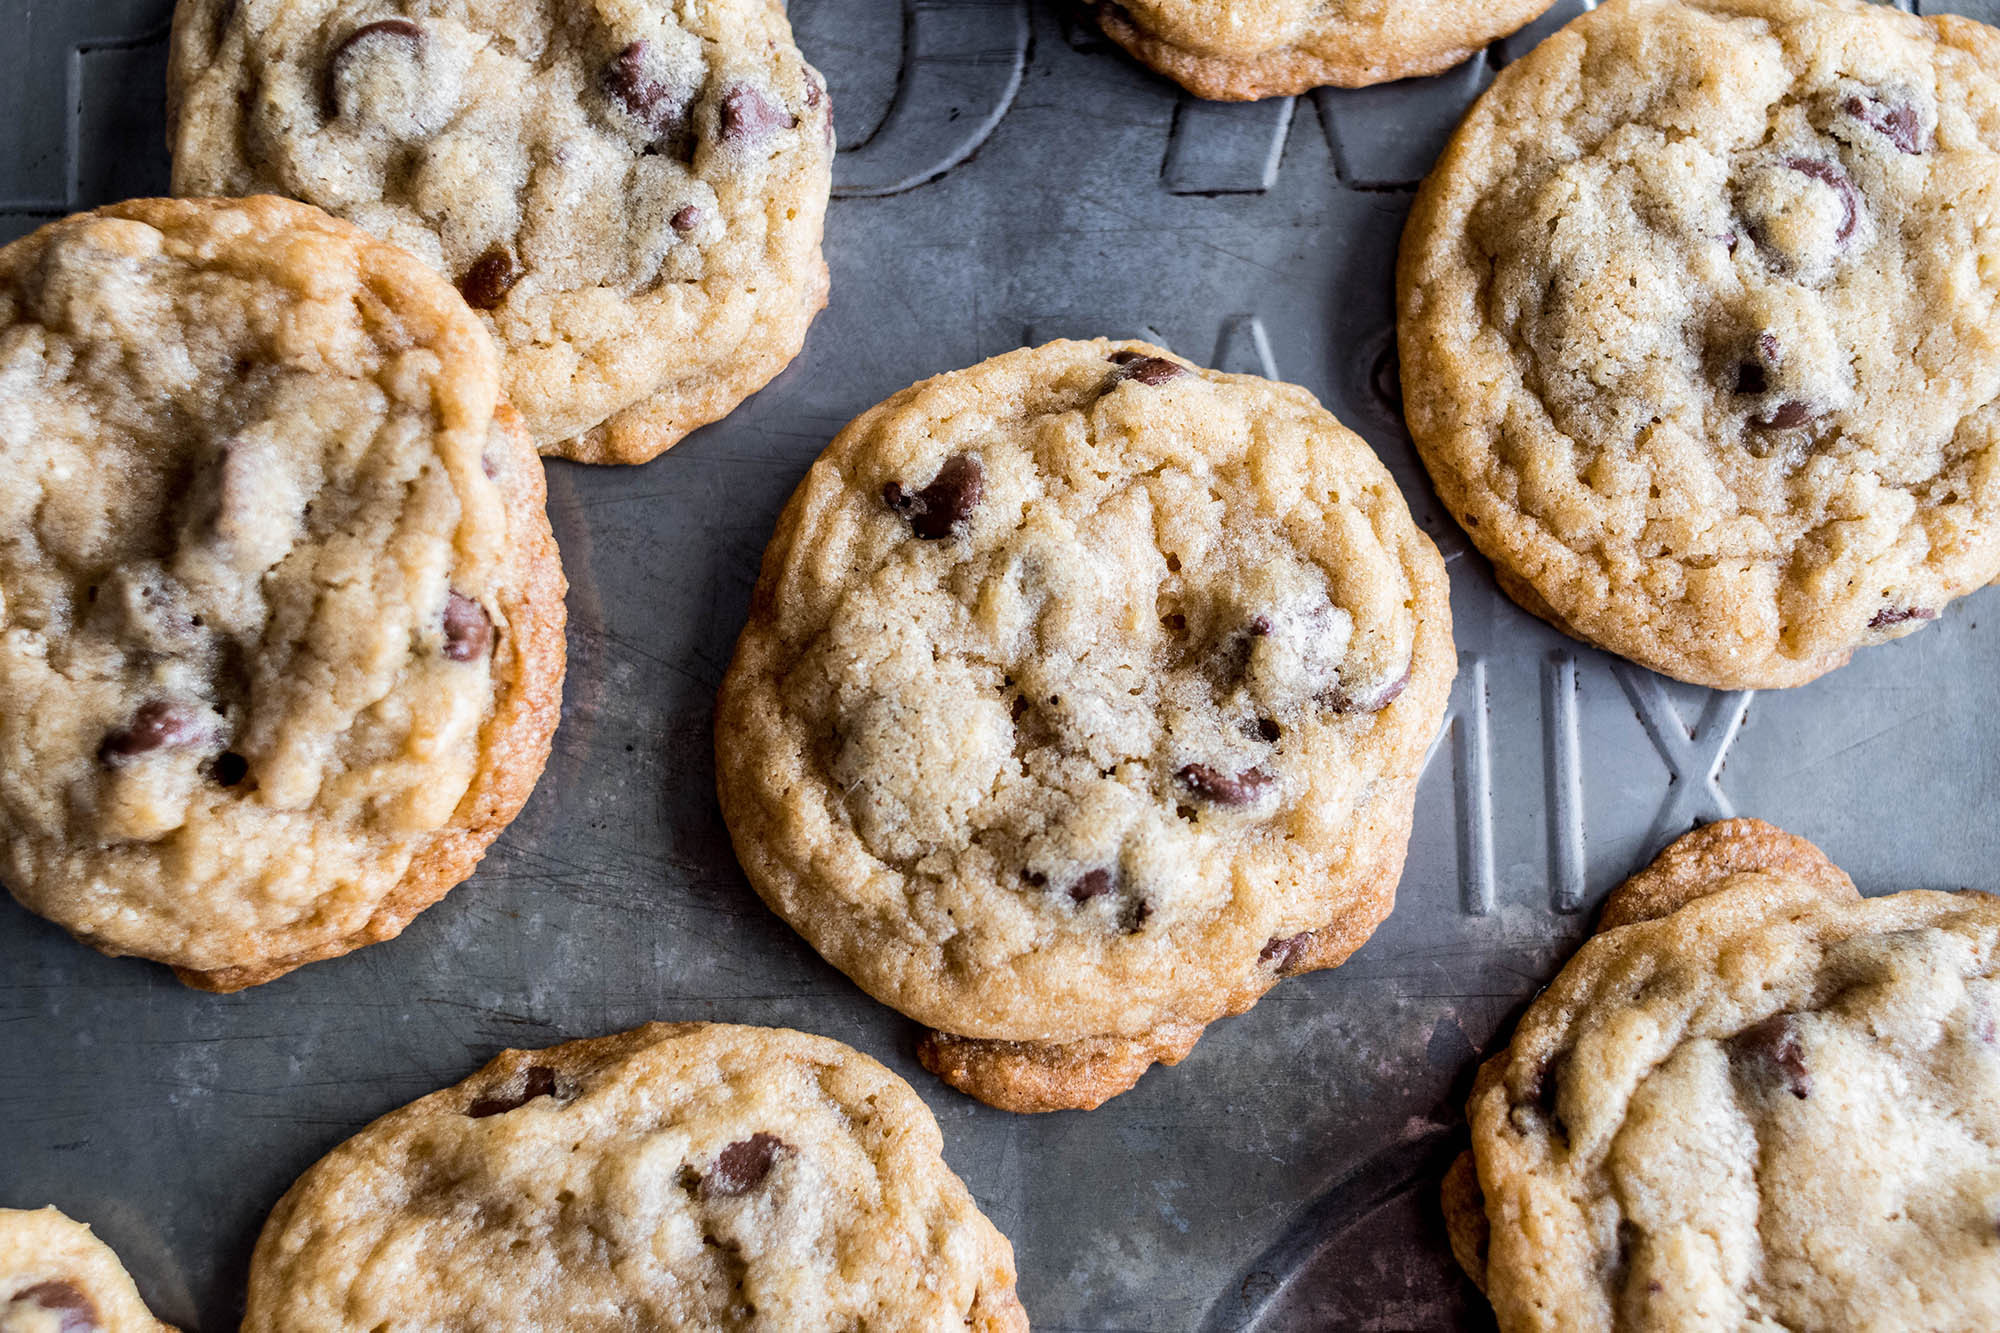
(157, 725)
(1094, 884)
(486, 284)
(1830, 175)
(1280, 953)
(650, 102)
(748, 115)
(1267, 730)
(1787, 413)
(76, 1314)
(468, 631)
(403, 31)
(949, 500)
(1895, 121)
(1544, 1094)
(1774, 1043)
(229, 769)
(1035, 877)
(1151, 371)
(1750, 378)
(742, 1166)
(539, 1082)
(686, 220)
(1213, 785)
(1341, 700)
(1896, 615)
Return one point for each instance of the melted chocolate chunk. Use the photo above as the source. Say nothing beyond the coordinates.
(1341, 701)
(1830, 175)
(1895, 121)
(76, 1313)
(1787, 413)
(486, 284)
(1281, 953)
(540, 1082)
(748, 115)
(1896, 615)
(650, 102)
(742, 1166)
(1774, 1045)
(1151, 371)
(1094, 884)
(686, 220)
(409, 34)
(936, 510)
(468, 632)
(1213, 785)
(157, 725)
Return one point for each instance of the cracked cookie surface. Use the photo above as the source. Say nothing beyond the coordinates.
(630, 191)
(681, 1175)
(280, 611)
(1700, 329)
(1760, 1102)
(1083, 696)
(55, 1277)
(1241, 50)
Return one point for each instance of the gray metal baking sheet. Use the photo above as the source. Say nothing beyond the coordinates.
(1006, 176)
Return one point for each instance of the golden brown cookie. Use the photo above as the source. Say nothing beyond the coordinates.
(1241, 50)
(1699, 323)
(681, 1175)
(281, 625)
(55, 1277)
(629, 191)
(1753, 1099)
(1083, 697)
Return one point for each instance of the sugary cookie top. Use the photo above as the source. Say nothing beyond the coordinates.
(1699, 328)
(603, 179)
(251, 595)
(697, 1176)
(1778, 1107)
(55, 1277)
(1069, 681)
(1262, 48)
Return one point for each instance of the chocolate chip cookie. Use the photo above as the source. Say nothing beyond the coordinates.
(55, 1277)
(1700, 329)
(629, 191)
(681, 1175)
(281, 621)
(1083, 696)
(1241, 50)
(1753, 1100)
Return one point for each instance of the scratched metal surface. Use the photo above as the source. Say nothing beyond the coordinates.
(1007, 177)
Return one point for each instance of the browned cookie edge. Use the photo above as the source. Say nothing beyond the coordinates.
(515, 740)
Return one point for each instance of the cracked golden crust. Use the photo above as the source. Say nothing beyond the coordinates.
(579, 1175)
(950, 906)
(1595, 1167)
(606, 365)
(42, 1249)
(1632, 483)
(1238, 52)
(1083, 1074)
(515, 740)
(336, 338)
